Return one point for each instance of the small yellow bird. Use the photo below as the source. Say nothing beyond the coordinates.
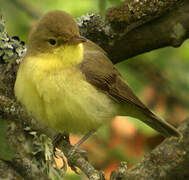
(68, 83)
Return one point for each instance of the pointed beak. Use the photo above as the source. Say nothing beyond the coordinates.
(77, 40)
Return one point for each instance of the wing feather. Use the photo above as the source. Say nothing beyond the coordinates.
(100, 72)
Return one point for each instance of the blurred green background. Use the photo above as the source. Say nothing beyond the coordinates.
(160, 78)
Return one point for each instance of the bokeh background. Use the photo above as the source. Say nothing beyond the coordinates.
(160, 78)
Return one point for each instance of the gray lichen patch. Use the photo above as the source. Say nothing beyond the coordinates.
(93, 27)
(10, 48)
(178, 34)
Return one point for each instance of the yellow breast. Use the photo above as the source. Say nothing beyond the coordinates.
(60, 96)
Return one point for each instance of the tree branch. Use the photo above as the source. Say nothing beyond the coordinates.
(167, 161)
(131, 14)
(170, 28)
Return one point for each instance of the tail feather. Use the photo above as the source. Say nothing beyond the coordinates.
(152, 120)
(160, 125)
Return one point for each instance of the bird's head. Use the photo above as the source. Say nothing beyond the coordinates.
(56, 33)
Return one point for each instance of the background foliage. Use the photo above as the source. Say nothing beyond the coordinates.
(160, 78)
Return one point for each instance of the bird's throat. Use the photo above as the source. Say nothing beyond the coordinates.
(62, 57)
(70, 54)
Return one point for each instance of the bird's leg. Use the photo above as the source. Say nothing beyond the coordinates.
(74, 149)
(82, 140)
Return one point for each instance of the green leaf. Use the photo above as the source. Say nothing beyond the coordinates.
(6, 151)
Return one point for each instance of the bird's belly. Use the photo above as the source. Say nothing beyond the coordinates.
(71, 104)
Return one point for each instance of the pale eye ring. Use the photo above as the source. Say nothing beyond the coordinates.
(52, 41)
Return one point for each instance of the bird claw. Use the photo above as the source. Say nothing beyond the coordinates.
(74, 150)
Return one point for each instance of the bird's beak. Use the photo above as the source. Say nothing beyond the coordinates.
(77, 40)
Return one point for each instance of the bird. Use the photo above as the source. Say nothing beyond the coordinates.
(68, 83)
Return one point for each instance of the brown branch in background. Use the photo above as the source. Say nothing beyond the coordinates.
(168, 29)
(131, 14)
(27, 8)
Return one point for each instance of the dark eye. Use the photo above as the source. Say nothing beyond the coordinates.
(52, 41)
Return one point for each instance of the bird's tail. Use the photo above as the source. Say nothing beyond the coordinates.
(153, 121)
(160, 125)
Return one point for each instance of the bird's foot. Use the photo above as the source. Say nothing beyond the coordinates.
(72, 154)
(74, 150)
(81, 141)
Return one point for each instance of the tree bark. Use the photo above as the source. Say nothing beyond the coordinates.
(169, 160)
(166, 27)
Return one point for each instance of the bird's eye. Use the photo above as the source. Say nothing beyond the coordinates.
(52, 41)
